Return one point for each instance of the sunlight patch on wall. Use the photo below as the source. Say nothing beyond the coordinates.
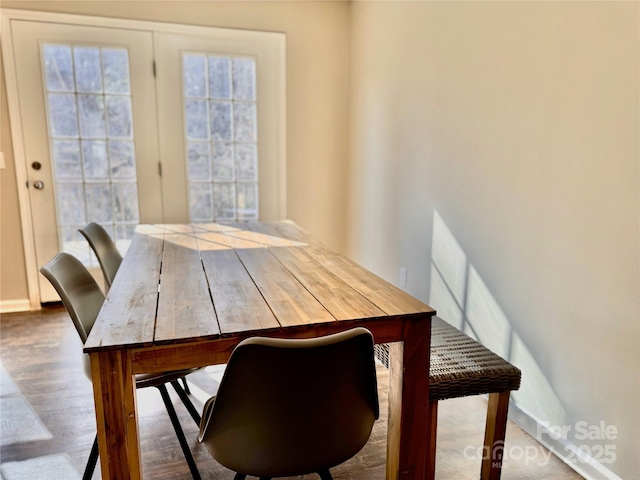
(463, 299)
(536, 396)
(449, 258)
(485, 319)
(441, 296)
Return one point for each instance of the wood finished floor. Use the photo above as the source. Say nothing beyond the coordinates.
(41, 352)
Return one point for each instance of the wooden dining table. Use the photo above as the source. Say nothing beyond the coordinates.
(185, 295)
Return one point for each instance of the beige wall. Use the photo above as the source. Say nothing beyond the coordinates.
(317, 89)
(495, 154)
(13, 277)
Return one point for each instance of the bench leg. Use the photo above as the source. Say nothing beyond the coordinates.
(494, 435)
(433, 431)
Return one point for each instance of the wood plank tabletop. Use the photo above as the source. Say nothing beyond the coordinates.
(185, 309)
(182, 283)
(390, 299)
(129, 312)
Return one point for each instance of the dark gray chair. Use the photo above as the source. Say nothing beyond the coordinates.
(105, 249)
(83, 299)
(288, 407)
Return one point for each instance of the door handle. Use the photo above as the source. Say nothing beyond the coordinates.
(38, 185)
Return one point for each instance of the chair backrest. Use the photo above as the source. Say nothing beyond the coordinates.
(289, 407)
(105, 249)
(78, 290)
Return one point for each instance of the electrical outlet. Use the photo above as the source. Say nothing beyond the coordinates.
(402, 277)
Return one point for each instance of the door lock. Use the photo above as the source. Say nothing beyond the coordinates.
(38, 185)
(36, 165)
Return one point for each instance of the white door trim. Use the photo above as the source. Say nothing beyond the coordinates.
(19, 156)
(8, 15)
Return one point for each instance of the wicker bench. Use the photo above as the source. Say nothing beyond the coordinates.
(462, 367)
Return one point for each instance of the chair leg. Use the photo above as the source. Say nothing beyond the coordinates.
(187, 402)
(325, 475)
(494, 435)
(91, 463)
(179, 433)
(433, 433)
(185, 385)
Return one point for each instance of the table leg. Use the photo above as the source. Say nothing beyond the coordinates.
(408, 439)
(114, 393)
(433, 434)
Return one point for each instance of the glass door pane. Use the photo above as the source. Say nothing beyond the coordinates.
(92, 143)
(220, 115)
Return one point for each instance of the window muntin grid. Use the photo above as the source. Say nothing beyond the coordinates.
(220, 103)
(91, 142)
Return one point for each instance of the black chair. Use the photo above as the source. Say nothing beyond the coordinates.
(288, 407)
(83, 299)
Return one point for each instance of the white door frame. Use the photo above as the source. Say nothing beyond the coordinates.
(277, 40)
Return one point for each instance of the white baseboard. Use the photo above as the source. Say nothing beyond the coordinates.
(586, 466)
(10, 306)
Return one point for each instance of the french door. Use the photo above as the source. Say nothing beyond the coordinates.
(138, 125)
(219, 104)
(87, 99)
